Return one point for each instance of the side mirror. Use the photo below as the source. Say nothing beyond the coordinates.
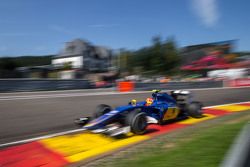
(132, 102)
(156, 91)
(82, 121)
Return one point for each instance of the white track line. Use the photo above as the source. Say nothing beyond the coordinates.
(47, 96)
(79, 130)
(61, 91)
(41, 137)
(226, 104)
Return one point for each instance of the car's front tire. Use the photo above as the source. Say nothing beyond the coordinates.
(101, 110)
(137, 121)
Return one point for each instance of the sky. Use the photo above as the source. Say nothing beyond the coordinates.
(41, 27)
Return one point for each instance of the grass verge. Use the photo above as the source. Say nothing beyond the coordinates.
(203, 144)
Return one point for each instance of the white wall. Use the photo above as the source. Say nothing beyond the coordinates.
(67, 74)
(77, 62)
(228, 73)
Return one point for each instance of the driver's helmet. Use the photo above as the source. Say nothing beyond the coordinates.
(149, 101)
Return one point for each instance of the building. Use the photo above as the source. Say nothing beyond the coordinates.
(82, 56)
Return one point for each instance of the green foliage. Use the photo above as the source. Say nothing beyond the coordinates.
(160, 58)
(242, 53)
(67, 66)
(10, 63)
(124, 59)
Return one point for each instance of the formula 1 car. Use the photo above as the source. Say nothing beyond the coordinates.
(135, 117)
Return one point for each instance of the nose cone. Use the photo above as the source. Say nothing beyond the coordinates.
(102, 120)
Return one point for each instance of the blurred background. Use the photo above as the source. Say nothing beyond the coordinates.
(149, 41)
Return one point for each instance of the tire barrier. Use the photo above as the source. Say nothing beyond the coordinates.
(18, 85)
(125, 86)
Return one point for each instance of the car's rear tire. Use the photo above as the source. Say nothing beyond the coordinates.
(101, 110)
(137, 121)
(194, 109)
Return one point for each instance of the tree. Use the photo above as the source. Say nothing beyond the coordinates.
(8, 64)
(161, 57)
(170, 55)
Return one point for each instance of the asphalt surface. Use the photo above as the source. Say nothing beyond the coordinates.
(27, 115)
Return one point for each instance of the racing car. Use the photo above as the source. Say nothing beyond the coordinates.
(134, 117)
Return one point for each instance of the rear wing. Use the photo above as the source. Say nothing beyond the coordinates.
(182, 96)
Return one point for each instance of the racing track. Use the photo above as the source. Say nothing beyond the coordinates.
(27, 115)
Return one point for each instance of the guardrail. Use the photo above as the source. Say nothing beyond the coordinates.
(16, 85)
(178, 85)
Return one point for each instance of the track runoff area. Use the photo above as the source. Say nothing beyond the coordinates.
(68, 148)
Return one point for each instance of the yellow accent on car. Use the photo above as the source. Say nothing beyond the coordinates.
(171, 113)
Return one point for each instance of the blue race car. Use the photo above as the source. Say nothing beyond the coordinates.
(135, 117)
